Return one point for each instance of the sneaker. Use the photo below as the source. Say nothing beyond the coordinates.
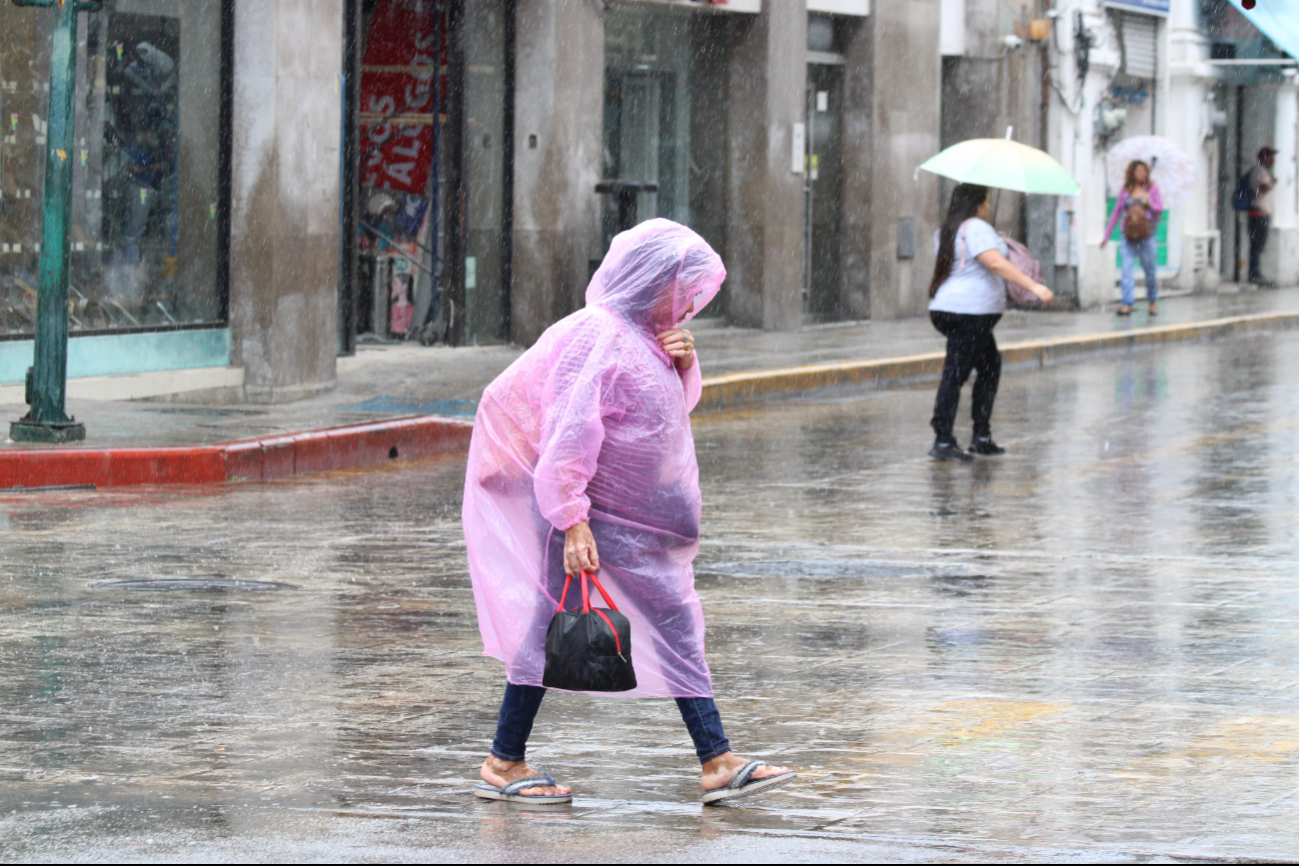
(948, 450)
(984, 445)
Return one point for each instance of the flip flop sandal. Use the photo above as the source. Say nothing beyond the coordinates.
(510, 793)
(741, 786)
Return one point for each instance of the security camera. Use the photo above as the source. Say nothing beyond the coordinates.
(1011, 42)
(1111, 119)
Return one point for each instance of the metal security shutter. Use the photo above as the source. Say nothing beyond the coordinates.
(1138, 44)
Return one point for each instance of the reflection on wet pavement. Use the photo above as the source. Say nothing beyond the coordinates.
(1085, 649)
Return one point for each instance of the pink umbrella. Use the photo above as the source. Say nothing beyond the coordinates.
(1170, 167)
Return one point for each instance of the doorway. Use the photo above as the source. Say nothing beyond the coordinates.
(822, 265)
(431, 166)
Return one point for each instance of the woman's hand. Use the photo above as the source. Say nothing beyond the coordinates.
(579, 549)
(994, 261)
(679, 344)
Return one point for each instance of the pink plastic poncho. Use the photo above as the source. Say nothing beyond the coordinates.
(593, 423)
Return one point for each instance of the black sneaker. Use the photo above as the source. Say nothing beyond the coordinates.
(948, 450)
(984, 445)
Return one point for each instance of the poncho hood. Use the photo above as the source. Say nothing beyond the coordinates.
(653, 273)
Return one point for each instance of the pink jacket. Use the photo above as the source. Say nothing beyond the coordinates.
(593, 422)
(1120, 207)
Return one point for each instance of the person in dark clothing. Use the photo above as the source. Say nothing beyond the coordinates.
(1260, 215)
(967, 297)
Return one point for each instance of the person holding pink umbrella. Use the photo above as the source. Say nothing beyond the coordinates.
(1140, 205)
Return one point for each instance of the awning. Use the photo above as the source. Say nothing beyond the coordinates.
(1278, 20)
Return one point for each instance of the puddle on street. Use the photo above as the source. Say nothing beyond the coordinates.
(192, 584)
(1084, 646)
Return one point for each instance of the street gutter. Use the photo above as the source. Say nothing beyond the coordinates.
(741, 389)
(417, 436)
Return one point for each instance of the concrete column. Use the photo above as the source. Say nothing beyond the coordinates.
(1097, 275)
(906, 118)
(284, 232)
(559, 117)
(1184, 109)
(855, 216)
(764, 237)
(1281, 256)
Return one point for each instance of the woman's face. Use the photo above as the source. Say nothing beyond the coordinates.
(1141, 174)
(984, 211)
(690, 309)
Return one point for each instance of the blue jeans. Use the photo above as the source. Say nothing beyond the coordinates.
(1145, 251)
(519, 710)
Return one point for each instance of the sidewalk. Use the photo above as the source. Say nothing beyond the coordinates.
(733, 350)
(383, 383)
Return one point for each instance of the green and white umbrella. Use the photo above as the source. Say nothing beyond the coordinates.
(1004, 164)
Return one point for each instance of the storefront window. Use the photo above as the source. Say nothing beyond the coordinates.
(145, 239)
(664, 110)
(484, 44)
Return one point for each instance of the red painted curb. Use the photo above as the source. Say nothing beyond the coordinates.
(263, 459)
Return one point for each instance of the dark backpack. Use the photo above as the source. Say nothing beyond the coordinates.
(1243, 198)
(1136, 224)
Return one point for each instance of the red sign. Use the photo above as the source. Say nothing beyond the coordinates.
(404, 55)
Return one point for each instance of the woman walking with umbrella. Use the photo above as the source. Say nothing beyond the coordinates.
(967, 297)
(1152, 174)
(1140, 205)
(971, 277)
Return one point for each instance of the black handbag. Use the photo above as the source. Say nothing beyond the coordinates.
(588, 650)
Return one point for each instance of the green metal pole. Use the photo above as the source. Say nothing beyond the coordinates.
(46, 420)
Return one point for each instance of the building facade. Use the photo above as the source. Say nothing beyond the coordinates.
(1197, 72)
(261, 184)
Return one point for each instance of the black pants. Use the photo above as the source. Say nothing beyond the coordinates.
(1258, 226)
(970, 346)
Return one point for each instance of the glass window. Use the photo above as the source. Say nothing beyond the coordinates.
(822, 35)
(146, 176)
(484, 106)
(664, 114)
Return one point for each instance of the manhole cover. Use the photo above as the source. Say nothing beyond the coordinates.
(193, 584)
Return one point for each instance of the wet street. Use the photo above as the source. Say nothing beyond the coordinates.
(1085, 649)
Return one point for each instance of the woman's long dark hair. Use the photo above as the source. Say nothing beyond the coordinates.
(1130, 177)
(966, 199)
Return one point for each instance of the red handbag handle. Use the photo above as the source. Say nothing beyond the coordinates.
(586, 603)
(586, 594)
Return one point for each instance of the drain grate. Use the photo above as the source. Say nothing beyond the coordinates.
(192, 584)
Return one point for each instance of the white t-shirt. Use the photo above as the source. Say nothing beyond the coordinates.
(1263, 200)
(972, 289)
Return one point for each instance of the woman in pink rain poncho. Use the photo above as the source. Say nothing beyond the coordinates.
(582, 458)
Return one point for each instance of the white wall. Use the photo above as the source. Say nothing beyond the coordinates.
(1188, 82)
(1182, 112)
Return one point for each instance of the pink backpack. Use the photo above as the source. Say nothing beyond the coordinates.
(1019, 256)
